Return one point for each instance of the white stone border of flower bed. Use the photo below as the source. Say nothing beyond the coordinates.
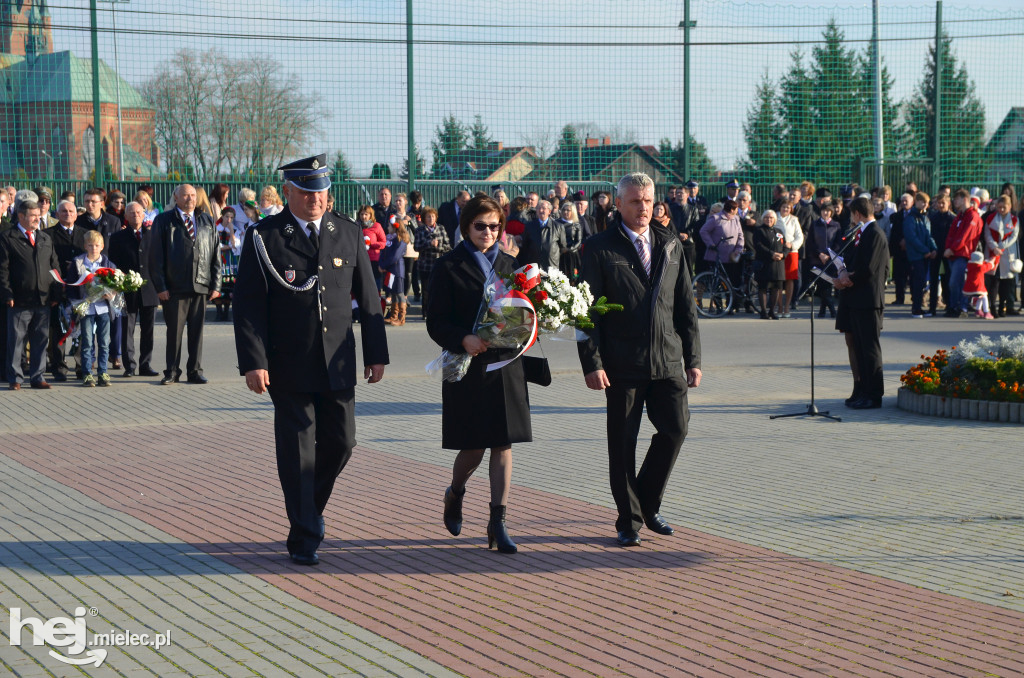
(959, 408)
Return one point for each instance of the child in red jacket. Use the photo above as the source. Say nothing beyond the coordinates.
(974, 283)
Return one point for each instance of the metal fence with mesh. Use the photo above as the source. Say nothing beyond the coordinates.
(516, 94)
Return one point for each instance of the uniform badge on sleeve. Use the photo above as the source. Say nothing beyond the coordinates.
(338, 262)
(289, 275)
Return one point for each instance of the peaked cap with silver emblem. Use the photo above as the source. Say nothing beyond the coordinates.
(308, 174)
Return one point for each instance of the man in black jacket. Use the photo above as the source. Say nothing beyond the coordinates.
(898, 248)
(298, 273)
(648, 353)
(544, 239)
(68, 243)
(129, 250)
(861, 301)
(96, 219)
(383, 209)
(27, 290)
(185, 268)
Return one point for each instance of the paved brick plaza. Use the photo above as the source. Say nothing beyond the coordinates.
(888, 544)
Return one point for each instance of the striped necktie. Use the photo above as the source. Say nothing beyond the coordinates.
(190, 227)
(645, 257)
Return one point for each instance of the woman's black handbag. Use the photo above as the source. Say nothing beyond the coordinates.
(536, 370)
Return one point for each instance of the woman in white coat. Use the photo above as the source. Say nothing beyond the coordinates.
(793, 239)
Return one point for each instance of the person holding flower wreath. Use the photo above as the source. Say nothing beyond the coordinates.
(484, 409)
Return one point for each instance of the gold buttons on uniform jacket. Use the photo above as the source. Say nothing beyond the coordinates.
(320, 267)
(323, 289)
(325, 329)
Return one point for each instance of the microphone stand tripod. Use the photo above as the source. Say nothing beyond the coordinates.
(812, 409)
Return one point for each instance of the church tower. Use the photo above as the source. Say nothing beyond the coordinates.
(25, 27)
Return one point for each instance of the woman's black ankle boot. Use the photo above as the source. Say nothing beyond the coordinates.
(497, 535)
(453, 510)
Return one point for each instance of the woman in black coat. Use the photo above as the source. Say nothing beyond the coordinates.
(484, 409)
(769, 252)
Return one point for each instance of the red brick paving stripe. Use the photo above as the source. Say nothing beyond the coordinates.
(569, 604)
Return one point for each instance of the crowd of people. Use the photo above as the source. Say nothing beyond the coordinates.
(955, 252)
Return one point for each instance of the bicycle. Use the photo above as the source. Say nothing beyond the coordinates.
(715, 294)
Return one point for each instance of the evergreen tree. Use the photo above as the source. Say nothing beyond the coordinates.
(766, 160)
(449, 137)
(963, 119)
(841, 124)
(480, 137)
(800, 138)
(674, 157)
(404, 173)
(380, 171)
(340, 170)
(893, 134)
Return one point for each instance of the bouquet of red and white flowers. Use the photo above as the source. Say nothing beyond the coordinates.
(518, 307)
(109, 283)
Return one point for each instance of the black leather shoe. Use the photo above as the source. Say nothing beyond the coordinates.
(168, 380)
(148, 372)
(128, 373)
(59, 377)
(865, 404)
(497, 533)
(628, 538)
(453, 511)
(198, 379)
(657, 524)
(305, 558)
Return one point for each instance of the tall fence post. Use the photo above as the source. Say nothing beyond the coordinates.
(937, 172)
(411, 140)
(876, 66)
(96, 129)
(686, 90)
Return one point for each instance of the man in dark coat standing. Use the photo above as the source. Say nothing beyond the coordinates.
(298, 273)
(68, 242)
(27, 290)
(648, 353)
(449, 212)
(544, 239)
(185, 268)
(129, 250)
(861, 301)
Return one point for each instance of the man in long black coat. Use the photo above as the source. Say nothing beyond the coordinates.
(298, 272)
(861, 301)
(648, 353)
(129, 250)
(27, 290)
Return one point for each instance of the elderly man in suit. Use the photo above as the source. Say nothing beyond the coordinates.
(647, 354)
(68, 243)
(185, 269)
(544, 239)
(27, 290)
(861, 301)
(298, 273)
(129, 250)
(448, 213)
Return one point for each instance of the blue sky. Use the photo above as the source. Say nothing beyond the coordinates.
(615, 65)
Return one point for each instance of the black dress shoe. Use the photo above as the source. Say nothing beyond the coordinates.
(148, 372)
(657, 524)
(866, 404)
(59, 377)
(168, 380)
(305, 558)
(628, 538)
(128, 373)
(198, 379)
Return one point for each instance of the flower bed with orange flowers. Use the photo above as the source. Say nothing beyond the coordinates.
(988, 372)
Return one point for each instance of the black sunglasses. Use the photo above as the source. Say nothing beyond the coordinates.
(480, 227)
